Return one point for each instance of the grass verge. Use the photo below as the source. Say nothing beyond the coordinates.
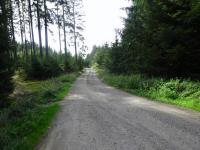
(32, 110)
(184, 93)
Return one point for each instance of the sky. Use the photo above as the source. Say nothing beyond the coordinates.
(101, 20)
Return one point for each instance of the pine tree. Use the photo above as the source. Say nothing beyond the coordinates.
(59, 25)
(76, 23)
(20, 23)
(31, 29)
(38, 9)
(46, 29)
(6, 67)
(64, 5)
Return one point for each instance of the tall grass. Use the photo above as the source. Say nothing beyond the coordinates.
(33, 107)
(185, 93)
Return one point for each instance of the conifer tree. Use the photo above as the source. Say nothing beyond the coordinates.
(6, 67)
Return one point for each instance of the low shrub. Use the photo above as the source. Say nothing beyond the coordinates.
(69, 66)
(183, 92)
(42, 70)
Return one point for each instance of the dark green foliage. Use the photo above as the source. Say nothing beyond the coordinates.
(68, 66)
(69, 63)
(101, 57)
(42, 70)
(51, 68)
(160, 38)
(72, 65)
(80, 64)
(6, 62)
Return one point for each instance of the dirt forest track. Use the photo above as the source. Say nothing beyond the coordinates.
(98, 117)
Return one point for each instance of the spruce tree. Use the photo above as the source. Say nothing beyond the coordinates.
(6, 69)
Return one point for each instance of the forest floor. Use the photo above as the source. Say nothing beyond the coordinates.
(98, 117)
(34, 106)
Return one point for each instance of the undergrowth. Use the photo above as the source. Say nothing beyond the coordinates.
(34, 106)
(181, 92)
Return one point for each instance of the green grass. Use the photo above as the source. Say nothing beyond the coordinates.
(27, 119)
(24, 132)
(184, 93)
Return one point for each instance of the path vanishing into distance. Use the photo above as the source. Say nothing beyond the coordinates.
(98, 117)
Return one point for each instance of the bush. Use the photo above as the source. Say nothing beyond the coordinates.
(69, 66)
(182, 92)
(134, 82)
(42, 70)
(51, 68)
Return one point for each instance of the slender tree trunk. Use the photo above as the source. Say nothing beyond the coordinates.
(13, 29)
(24, 27)
(59, 29)
(75, 36)
(39, 29)
(46, 29)
(65, 43)
(60, 45)
(31, 27)
(60, 40)
(30, 37)
(21, 26)
(11, 21)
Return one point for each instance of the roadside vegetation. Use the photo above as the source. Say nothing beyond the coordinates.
(184, 93)
(25, 121)
(156, 54)
(33, 76)
(19, 49)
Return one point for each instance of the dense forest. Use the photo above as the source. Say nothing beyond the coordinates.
(160, 38)
(156, 55)
(19, 22)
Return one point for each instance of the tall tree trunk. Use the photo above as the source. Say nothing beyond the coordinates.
(12, 29)
(21, 26)
(30, 37)
(75, 36)
(39, 29)
(11, 21)
(31, 27)
(59, 29)
(60, 40)
(65, 42)
(46, 29)
(24, 27)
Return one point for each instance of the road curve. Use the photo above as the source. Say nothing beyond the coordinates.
(98, 117)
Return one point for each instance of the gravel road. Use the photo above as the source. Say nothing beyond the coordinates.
(98, 117)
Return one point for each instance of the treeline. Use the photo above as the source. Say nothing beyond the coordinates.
(19, 20)
(160, 38)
